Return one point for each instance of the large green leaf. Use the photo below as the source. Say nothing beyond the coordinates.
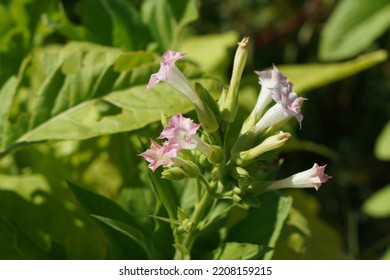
(83, 90)
(309, 76)
(382, 145)
(263, 225)
(16, 244)
(306, 235)
(377, 205)
(135, 234)
(126, 246)
(353, 26)
(211, 51)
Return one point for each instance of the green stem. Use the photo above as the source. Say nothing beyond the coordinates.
(197, 216)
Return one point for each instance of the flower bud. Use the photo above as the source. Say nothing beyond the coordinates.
(270, 143)
(229, 100)
(188, 168)
(173, 173)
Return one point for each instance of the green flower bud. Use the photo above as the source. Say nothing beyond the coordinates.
(270, 143)
(189, 169)
(229, 101)
(173, 173)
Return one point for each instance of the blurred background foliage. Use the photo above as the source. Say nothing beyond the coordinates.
(335, 52)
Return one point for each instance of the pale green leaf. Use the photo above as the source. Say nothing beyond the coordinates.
(83, 90)
(353, 26)
(378, 204)
(7, 93)
(211, 52)
(382, 145)
(309, 76)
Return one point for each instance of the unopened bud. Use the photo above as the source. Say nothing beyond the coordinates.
(173, 173)
(188, 168)
(229, 100)
(270, 143)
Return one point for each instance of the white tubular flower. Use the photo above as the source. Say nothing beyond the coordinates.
(311, 178)
(288, 104)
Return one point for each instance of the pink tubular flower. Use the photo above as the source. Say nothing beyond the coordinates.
(180, 130)
(170, 74)
(273, 78)
(288, 104)
(313, 177)
(269, 80)
(160, 155)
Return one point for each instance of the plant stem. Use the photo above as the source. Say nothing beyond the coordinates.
(196, 218)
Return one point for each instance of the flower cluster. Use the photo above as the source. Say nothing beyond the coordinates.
(225, 164)
(276, 86)
(231, 166)
(181, 135)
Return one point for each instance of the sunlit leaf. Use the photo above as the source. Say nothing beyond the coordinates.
(377, 205)
(382, 145)
(353, 26)
(84, 90)
(309, 76)
(211, 52)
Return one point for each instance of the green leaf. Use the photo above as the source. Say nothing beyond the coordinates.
(166, 195)
(103, 210)
(128, 30)
(263, 225)
(310, 76)
(97, 20)
(7, 93)
(16, 244)
(353, 27)
(386, 255)
(211, 52)
(377, 205)
(135, 234)
(161, 22)
(306, 235)
(239, 251)
(382, 145)
(167, 19)
(83, 90)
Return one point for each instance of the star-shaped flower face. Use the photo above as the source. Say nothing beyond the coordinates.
(273, 78)
(167, 67)
(160, 155)
(290, 102)
(311, 178)
(180, 130)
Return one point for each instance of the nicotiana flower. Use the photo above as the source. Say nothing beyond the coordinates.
(181, 131)
(269, 79)
(288, 104)
(160, 155)
(311, 178)
(169, 73)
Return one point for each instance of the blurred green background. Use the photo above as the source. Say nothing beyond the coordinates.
(335, 52)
